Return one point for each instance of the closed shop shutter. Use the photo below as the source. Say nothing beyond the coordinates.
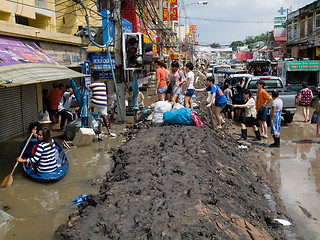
(18, 108)
(29, 105)
(10, 112)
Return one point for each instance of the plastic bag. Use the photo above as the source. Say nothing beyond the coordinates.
(314, 118)
(178, 116)
(160, 108)
(195, 119)
(178, 106)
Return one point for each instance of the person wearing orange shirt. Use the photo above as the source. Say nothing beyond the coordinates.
(262, 100)
(161, 76)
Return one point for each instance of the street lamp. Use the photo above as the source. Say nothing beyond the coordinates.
(200, 2)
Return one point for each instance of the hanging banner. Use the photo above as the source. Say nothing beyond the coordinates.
(172, 2)
(173, 16)
(303, 66)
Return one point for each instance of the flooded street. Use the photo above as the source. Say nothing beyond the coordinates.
(38, 209)
(294, 170)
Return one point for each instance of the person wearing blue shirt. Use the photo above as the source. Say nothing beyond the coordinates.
(217, 99)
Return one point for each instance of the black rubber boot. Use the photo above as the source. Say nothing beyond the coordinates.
(276, 143)
(258, 136)
(243, 135)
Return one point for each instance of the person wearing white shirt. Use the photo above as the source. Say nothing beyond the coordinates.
(189, 87)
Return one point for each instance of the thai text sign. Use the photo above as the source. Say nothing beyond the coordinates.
(303, 66)
(172, 2)
(173, 15)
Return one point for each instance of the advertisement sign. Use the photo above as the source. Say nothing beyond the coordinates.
(101, 61)
(244, 56)
(172, 2)
(69, 56)
(16, 51)
(173, 16)
(303, 66)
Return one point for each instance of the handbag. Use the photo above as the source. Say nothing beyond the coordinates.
(314, 118)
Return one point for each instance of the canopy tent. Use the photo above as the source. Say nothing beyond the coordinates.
(28, 73)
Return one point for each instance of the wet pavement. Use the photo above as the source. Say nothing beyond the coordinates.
(294, 170)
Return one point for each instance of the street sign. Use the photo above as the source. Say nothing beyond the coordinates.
(303, 66)
(101, 61)
(86, 71)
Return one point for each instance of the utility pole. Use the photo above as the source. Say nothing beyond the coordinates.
(117, 21)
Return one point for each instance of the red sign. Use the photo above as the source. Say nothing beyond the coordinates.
(193, 26)
(172, 2)
(196, 43)
(173, 15)
(244, 56)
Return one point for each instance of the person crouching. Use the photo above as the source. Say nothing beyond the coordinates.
(250, 114)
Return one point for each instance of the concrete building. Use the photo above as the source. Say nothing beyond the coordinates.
(303, 32)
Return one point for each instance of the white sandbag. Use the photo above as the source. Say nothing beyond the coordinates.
(178, 106)
(160, 108)
(84, 137)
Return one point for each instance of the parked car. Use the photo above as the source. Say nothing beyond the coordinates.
(289, 98)
(210, 70)
(218, 76)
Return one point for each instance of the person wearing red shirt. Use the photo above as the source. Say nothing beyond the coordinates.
(55, 96)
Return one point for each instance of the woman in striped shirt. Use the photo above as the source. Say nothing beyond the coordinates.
(44, 158)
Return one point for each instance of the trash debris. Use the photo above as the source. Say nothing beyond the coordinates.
(283, 222)
(80, 199)
(242, 146)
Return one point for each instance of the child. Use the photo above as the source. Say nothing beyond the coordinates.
(177, 81)
(275, 118)
(250, 114)
(189, 87)
(228, 93)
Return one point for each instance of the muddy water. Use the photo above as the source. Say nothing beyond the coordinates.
(39, 209)
(294, 170)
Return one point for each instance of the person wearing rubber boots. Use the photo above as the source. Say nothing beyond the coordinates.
(275, 118)
(99, 98)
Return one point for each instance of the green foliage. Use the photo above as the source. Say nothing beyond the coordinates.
(236, 44)
(215, 45)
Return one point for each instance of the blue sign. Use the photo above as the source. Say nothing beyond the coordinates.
(282, 11)
(108, 29)
(104, 75)
(86, 71)
(101, 61)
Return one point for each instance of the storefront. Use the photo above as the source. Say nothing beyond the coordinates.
(24, 66)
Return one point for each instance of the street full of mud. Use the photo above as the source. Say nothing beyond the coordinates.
(178, 182)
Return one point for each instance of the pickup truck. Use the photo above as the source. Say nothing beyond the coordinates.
(289, 98)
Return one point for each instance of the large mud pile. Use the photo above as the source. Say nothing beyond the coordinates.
(178, 182)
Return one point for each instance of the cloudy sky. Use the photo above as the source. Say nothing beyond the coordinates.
(224, 21)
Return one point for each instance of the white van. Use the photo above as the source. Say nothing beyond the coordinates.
(219, 77)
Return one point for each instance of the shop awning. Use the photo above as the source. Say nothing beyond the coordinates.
(28, 73)
(24, 62)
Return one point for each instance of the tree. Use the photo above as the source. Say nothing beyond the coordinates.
(236, 44)
(215, 45)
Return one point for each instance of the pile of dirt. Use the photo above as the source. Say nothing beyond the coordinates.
(178, 182)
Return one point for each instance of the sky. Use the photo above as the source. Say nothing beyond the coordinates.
(237, 18)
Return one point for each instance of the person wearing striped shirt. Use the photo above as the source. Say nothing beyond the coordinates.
(99, 98)
(45, 156)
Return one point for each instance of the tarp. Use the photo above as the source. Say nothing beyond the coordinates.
(24, 62)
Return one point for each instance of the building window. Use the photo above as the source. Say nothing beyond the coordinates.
(302, 28)
(22, 20)
(310, 27)
(295, 31)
